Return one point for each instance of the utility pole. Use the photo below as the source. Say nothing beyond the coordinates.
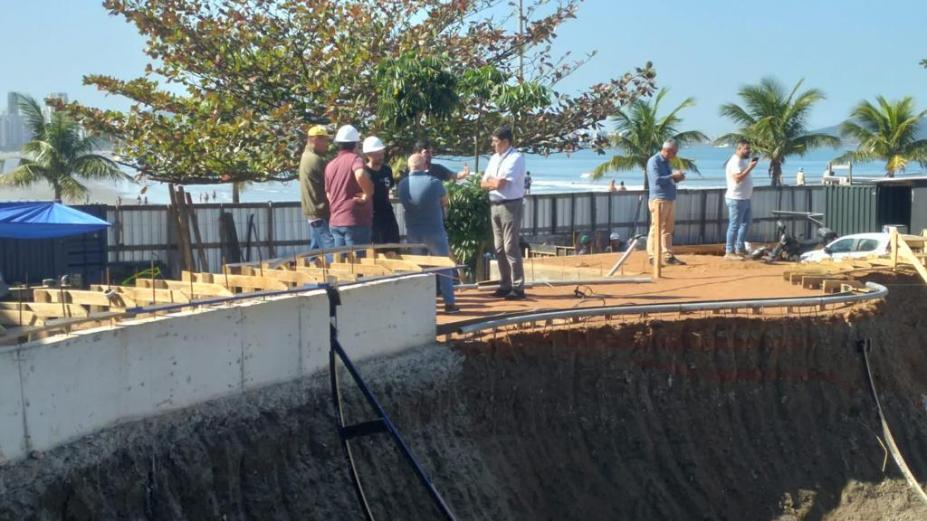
(521, 44)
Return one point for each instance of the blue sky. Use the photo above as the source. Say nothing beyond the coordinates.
(851, 49)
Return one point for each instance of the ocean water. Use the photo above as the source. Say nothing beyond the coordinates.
(550, 174)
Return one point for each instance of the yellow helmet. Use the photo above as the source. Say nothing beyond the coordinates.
(318, 131)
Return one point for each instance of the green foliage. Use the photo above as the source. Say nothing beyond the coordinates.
(641, 132)
(774, 121)
(232, 85)
(58, 154)
(468, 225)
(413, 89)
(886, 131)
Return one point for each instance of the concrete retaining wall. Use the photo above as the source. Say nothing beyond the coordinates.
(56, 390)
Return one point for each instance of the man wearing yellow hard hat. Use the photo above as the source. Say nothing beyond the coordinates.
(312, 188)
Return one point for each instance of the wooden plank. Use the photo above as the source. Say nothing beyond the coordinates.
(47, 310)
(393, 265)
(131, 297)
(813, 281)
(360, 269)
(905, 252)
(247, 282)
(322, 273)
(199, 288)
(426, 260)
(10, 317)
(72, 296)
(296, 278)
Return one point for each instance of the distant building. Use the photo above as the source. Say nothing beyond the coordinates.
(13, 131)
(12, 103)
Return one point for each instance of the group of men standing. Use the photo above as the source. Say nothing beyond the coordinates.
(346, 201)
(663, 180)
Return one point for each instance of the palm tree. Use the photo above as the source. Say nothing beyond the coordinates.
(888, 132)
(640, 134)
(774, 121)
(57, 154)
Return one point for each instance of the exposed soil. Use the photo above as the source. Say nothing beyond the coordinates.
(699, 419)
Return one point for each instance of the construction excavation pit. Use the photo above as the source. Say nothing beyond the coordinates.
(801, 396)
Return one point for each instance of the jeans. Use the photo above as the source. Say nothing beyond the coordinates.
(350, 235)
(319, 235)
(506, 234)
(436, 244)
(738, 211)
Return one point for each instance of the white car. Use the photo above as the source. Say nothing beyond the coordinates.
(851, 246)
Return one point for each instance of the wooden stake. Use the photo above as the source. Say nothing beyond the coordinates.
(153, 297)
(658, 244)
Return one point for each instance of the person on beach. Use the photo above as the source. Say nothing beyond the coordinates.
(436, 170)
(312, 188)
(349, 191)
(800, 177)
(739, 191)
(611, 186)
(662, 200)
(425, 200)
(384, 230)
(504, 179)
(622, 187)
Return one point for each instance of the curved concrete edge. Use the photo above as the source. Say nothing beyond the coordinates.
(56, 390)
(877, 292)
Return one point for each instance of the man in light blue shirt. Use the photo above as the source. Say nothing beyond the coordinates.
(662, 180)
(504, 179)
(424, 199)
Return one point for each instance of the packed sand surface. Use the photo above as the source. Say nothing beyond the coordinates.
(704, 277)
(694, 419)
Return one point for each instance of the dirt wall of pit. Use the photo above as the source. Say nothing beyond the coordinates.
(701, 419)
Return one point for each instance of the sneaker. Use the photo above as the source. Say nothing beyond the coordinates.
(733, 257)
(674, 261)
(516, 294)
(450, 309)
(500, 293)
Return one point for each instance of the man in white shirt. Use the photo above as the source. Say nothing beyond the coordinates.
(800, 177)
(739, 191)
(504, 179)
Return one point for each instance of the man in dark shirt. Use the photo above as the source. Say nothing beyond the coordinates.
(312, 188)
(436, 170)
(424, 199)
(384, 230)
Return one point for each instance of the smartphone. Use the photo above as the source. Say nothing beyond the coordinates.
(756, 158)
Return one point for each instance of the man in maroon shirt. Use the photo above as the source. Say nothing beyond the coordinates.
(350, 192)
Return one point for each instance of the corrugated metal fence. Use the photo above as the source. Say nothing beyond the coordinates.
(140, 234)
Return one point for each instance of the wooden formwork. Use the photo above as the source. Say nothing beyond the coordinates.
(43, 307)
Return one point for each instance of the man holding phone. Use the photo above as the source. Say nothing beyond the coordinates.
(663, 179)
(739, 191)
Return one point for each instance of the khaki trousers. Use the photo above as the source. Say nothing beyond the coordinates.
(663, 212)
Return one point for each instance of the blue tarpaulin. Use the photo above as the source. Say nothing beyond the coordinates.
(45, 221)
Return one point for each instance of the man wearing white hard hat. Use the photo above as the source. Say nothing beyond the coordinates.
(384, 230)
(349, 192)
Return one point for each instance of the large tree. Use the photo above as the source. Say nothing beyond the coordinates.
(886, 131)
(775, 122)
(640, 132)
(232, 84)
(58, 154)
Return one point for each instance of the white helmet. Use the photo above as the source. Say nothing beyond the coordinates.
(373, 144)
(347, 134)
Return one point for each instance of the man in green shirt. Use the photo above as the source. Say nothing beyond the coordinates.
(312, 188)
